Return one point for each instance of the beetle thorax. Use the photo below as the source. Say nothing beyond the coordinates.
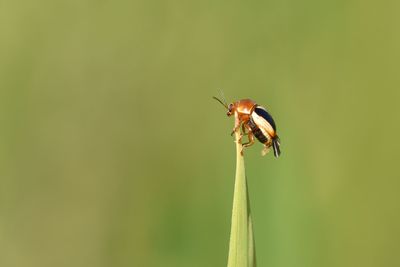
(245, 106)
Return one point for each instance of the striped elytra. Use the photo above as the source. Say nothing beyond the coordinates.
(263, 113)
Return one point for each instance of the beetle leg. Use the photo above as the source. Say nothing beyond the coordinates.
(244, 129)
(234, 130)
(266, 148)
(249, 143)
(237, 124)
(243, 132)
(251, 140)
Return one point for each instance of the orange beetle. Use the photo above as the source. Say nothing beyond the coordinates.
(255, 121)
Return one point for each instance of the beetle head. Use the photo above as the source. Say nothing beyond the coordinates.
(231, 107)
(230, 110)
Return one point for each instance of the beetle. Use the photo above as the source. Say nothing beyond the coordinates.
(255, 121)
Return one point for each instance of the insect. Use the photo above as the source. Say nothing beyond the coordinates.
(255, 121)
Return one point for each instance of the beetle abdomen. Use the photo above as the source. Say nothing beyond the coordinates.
(257, 132)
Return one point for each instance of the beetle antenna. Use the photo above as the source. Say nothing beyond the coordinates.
(222, 103)
(222, 95)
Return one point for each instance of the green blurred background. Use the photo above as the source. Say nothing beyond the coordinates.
(113, 153)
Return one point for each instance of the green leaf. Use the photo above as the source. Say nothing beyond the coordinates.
(241, 245)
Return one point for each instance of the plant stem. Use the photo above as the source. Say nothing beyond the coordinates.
(241, 245)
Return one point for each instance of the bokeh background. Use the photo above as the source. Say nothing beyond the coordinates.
(113, 153)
